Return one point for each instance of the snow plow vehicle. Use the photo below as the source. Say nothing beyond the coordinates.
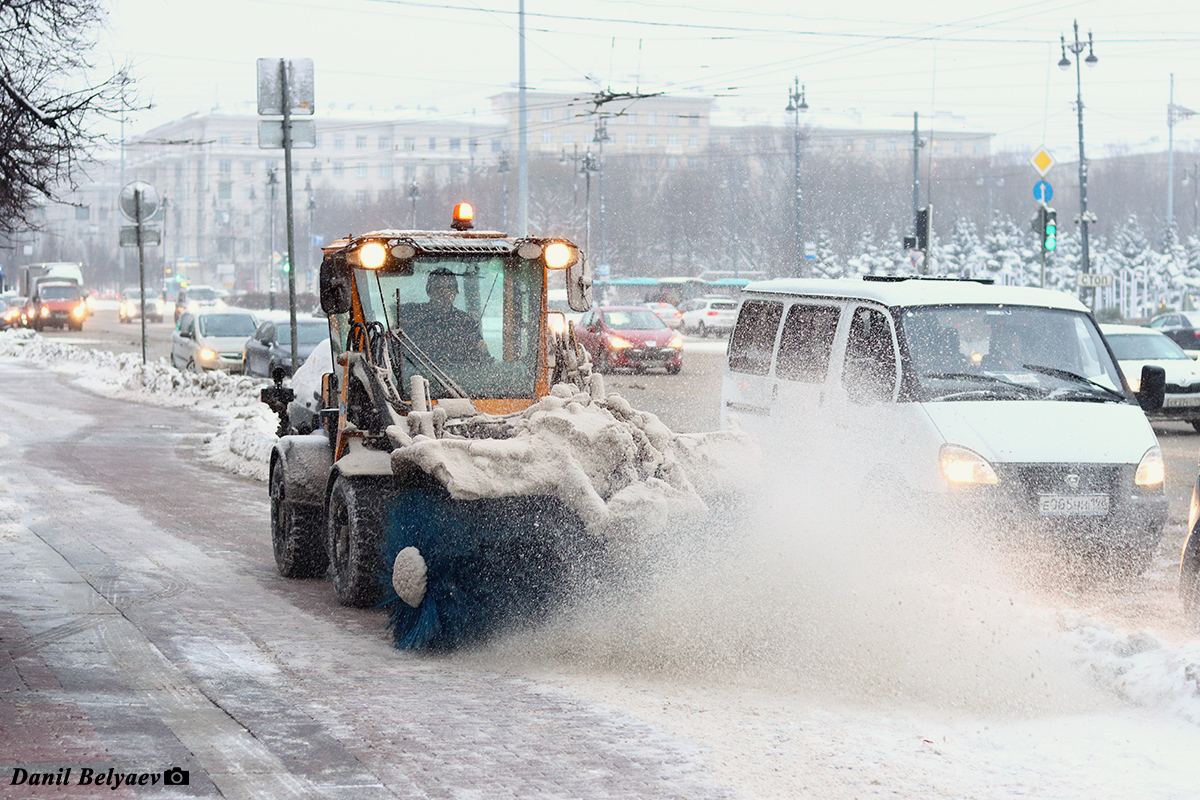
(465, 466)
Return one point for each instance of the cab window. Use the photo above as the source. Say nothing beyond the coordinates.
(869, 374)
(753, 339)
(806, 343)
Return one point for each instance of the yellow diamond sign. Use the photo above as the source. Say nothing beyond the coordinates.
(1042, 161)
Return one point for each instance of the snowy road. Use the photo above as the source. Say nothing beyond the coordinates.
(144, 627)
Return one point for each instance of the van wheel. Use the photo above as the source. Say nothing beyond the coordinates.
(354, 531)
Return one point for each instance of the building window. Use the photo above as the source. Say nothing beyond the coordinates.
(528, 137)
(410, 143)
(568, 115)
(693, 141)
(672, 162)
(631, 139)
(225, 190)
(223, 139)
(672, 140)
(547, 115)
(497, 146)
(651, 162)
(248, 194)
(652, 140)
(693, 161)
(316, 168)
(672, 119)
(631, 118)
(735, 143)
(891, 145)
(339, 169)
(385, 170)
(694, 120)
(225, 166)
(432, 143)
(456, 144)
(360, 169)
(977, 148)
(248, 139)
(870, 143)
(958, 147)
(568, 137)
(849, 145)
(410, 173)
(547, 137)
(472, 145)
(82, 212)
(316, 140)
(360, 142)
(651, 117)
(247, 167)
(339, 143)
(385, 143)
(360, 196)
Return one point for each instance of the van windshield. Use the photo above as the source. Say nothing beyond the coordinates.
(1008, 352)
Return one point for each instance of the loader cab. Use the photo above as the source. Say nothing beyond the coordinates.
(465, 310)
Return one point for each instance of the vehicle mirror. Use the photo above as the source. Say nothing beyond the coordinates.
(579, 284)
(185, 334)
(1152, 392)
(335, 285)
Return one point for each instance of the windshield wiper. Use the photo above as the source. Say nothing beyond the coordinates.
(419, 358)
(972, 376)
(1055, 372)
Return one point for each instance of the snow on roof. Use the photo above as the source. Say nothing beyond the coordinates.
(917, 292)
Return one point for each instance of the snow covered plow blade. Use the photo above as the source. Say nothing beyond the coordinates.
(456, 461)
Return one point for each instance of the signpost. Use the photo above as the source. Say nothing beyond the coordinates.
(1043, 192)
(138, 202)
(1094, 280)
(285, 87)
(1042, 161)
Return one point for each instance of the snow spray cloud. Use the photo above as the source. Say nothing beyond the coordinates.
(824, 590)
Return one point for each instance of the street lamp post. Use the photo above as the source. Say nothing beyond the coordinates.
(502, 169)
(795, 105)
(589, 166)
(414, 194)
(1076, 47)
(1193, 177)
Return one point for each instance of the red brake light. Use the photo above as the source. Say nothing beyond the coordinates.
(711, 313)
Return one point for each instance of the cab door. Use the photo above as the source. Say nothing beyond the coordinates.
(748, 387)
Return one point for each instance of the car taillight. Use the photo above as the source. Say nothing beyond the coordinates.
(711, 313)
(1196, 333)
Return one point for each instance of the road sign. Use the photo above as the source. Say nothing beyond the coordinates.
(1093, 279)
(300, 86)
(151, 236)
(149, 201)
(1042, 161)
(270, 134)
(810, 251)
(1043, 192)
(603, 270)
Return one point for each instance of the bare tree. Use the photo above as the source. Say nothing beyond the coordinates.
(52, 94)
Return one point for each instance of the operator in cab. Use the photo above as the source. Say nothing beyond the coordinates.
(441, 331)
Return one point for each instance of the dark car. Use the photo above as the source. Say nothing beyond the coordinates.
(629, 336)
(1181, 327)
(271, 345)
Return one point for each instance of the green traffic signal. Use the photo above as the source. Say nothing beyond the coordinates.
(1050, 230)
(285, 267)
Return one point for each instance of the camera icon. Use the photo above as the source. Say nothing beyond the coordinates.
(177, 777)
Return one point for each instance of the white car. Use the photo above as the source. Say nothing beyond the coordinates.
(211, 339)
(706, 315)
(1135, 347)
(668, 313)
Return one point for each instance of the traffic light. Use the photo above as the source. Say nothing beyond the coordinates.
(1049, 229)
(284, 266)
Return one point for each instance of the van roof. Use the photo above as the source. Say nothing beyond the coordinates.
(916, 292)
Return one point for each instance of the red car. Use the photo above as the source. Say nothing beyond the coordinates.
(57, 304)
(629, 336)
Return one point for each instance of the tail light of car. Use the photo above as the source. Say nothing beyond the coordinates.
(711, 313)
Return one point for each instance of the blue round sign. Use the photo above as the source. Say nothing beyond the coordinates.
(1042, 192)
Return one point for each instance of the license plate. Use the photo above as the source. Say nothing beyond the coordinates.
(1176, 402)
(1088, 505)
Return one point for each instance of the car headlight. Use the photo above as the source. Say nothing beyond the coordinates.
(962, 466)
(1134, 382)
(207, 354)
(45, 311)
(81, 310)
(619, 343)
(676, 342)
(1151, 470)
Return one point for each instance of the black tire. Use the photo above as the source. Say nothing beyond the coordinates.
(673, 369)
(354, 532)
(191, 366)
(297, 535)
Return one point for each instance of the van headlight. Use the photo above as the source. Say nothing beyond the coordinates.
(962, 466)
(1151, 470)
(207, 354)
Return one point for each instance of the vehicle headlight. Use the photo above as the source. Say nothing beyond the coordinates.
(676, 342)
(1134, 382)
(81, 310)
(556, 322)
(45, 311)
(962, 466)
(619, 343)
(207, 354)
(1151, 470)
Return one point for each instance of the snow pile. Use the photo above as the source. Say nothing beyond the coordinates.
(621, 470)
(1139, 667)
(243, 443)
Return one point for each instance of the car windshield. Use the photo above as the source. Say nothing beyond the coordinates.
(470, 325)
(201, 293)
(53, 292)
(999, 352)
(226, 325)
(306, 333)
(723, 305)
(1143, 347)
(633, 319)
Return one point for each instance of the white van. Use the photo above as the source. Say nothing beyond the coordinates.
(1005, 401)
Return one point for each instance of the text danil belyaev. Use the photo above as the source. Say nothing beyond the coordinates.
(90, 777)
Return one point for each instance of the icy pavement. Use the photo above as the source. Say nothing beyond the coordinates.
(804, 671)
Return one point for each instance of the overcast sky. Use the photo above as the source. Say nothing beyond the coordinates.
(997, 69)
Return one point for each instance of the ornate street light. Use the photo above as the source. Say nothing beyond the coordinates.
(795, 105)
(1076, 47)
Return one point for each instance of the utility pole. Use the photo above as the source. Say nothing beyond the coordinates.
(523, 133)
(796, 104)
(1175, 114)
(271, 184)
(291, 222)
(918, 143)
(1076, 47)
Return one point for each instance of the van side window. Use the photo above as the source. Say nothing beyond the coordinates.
(869, 375)
(807, 342)
(753, 338)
